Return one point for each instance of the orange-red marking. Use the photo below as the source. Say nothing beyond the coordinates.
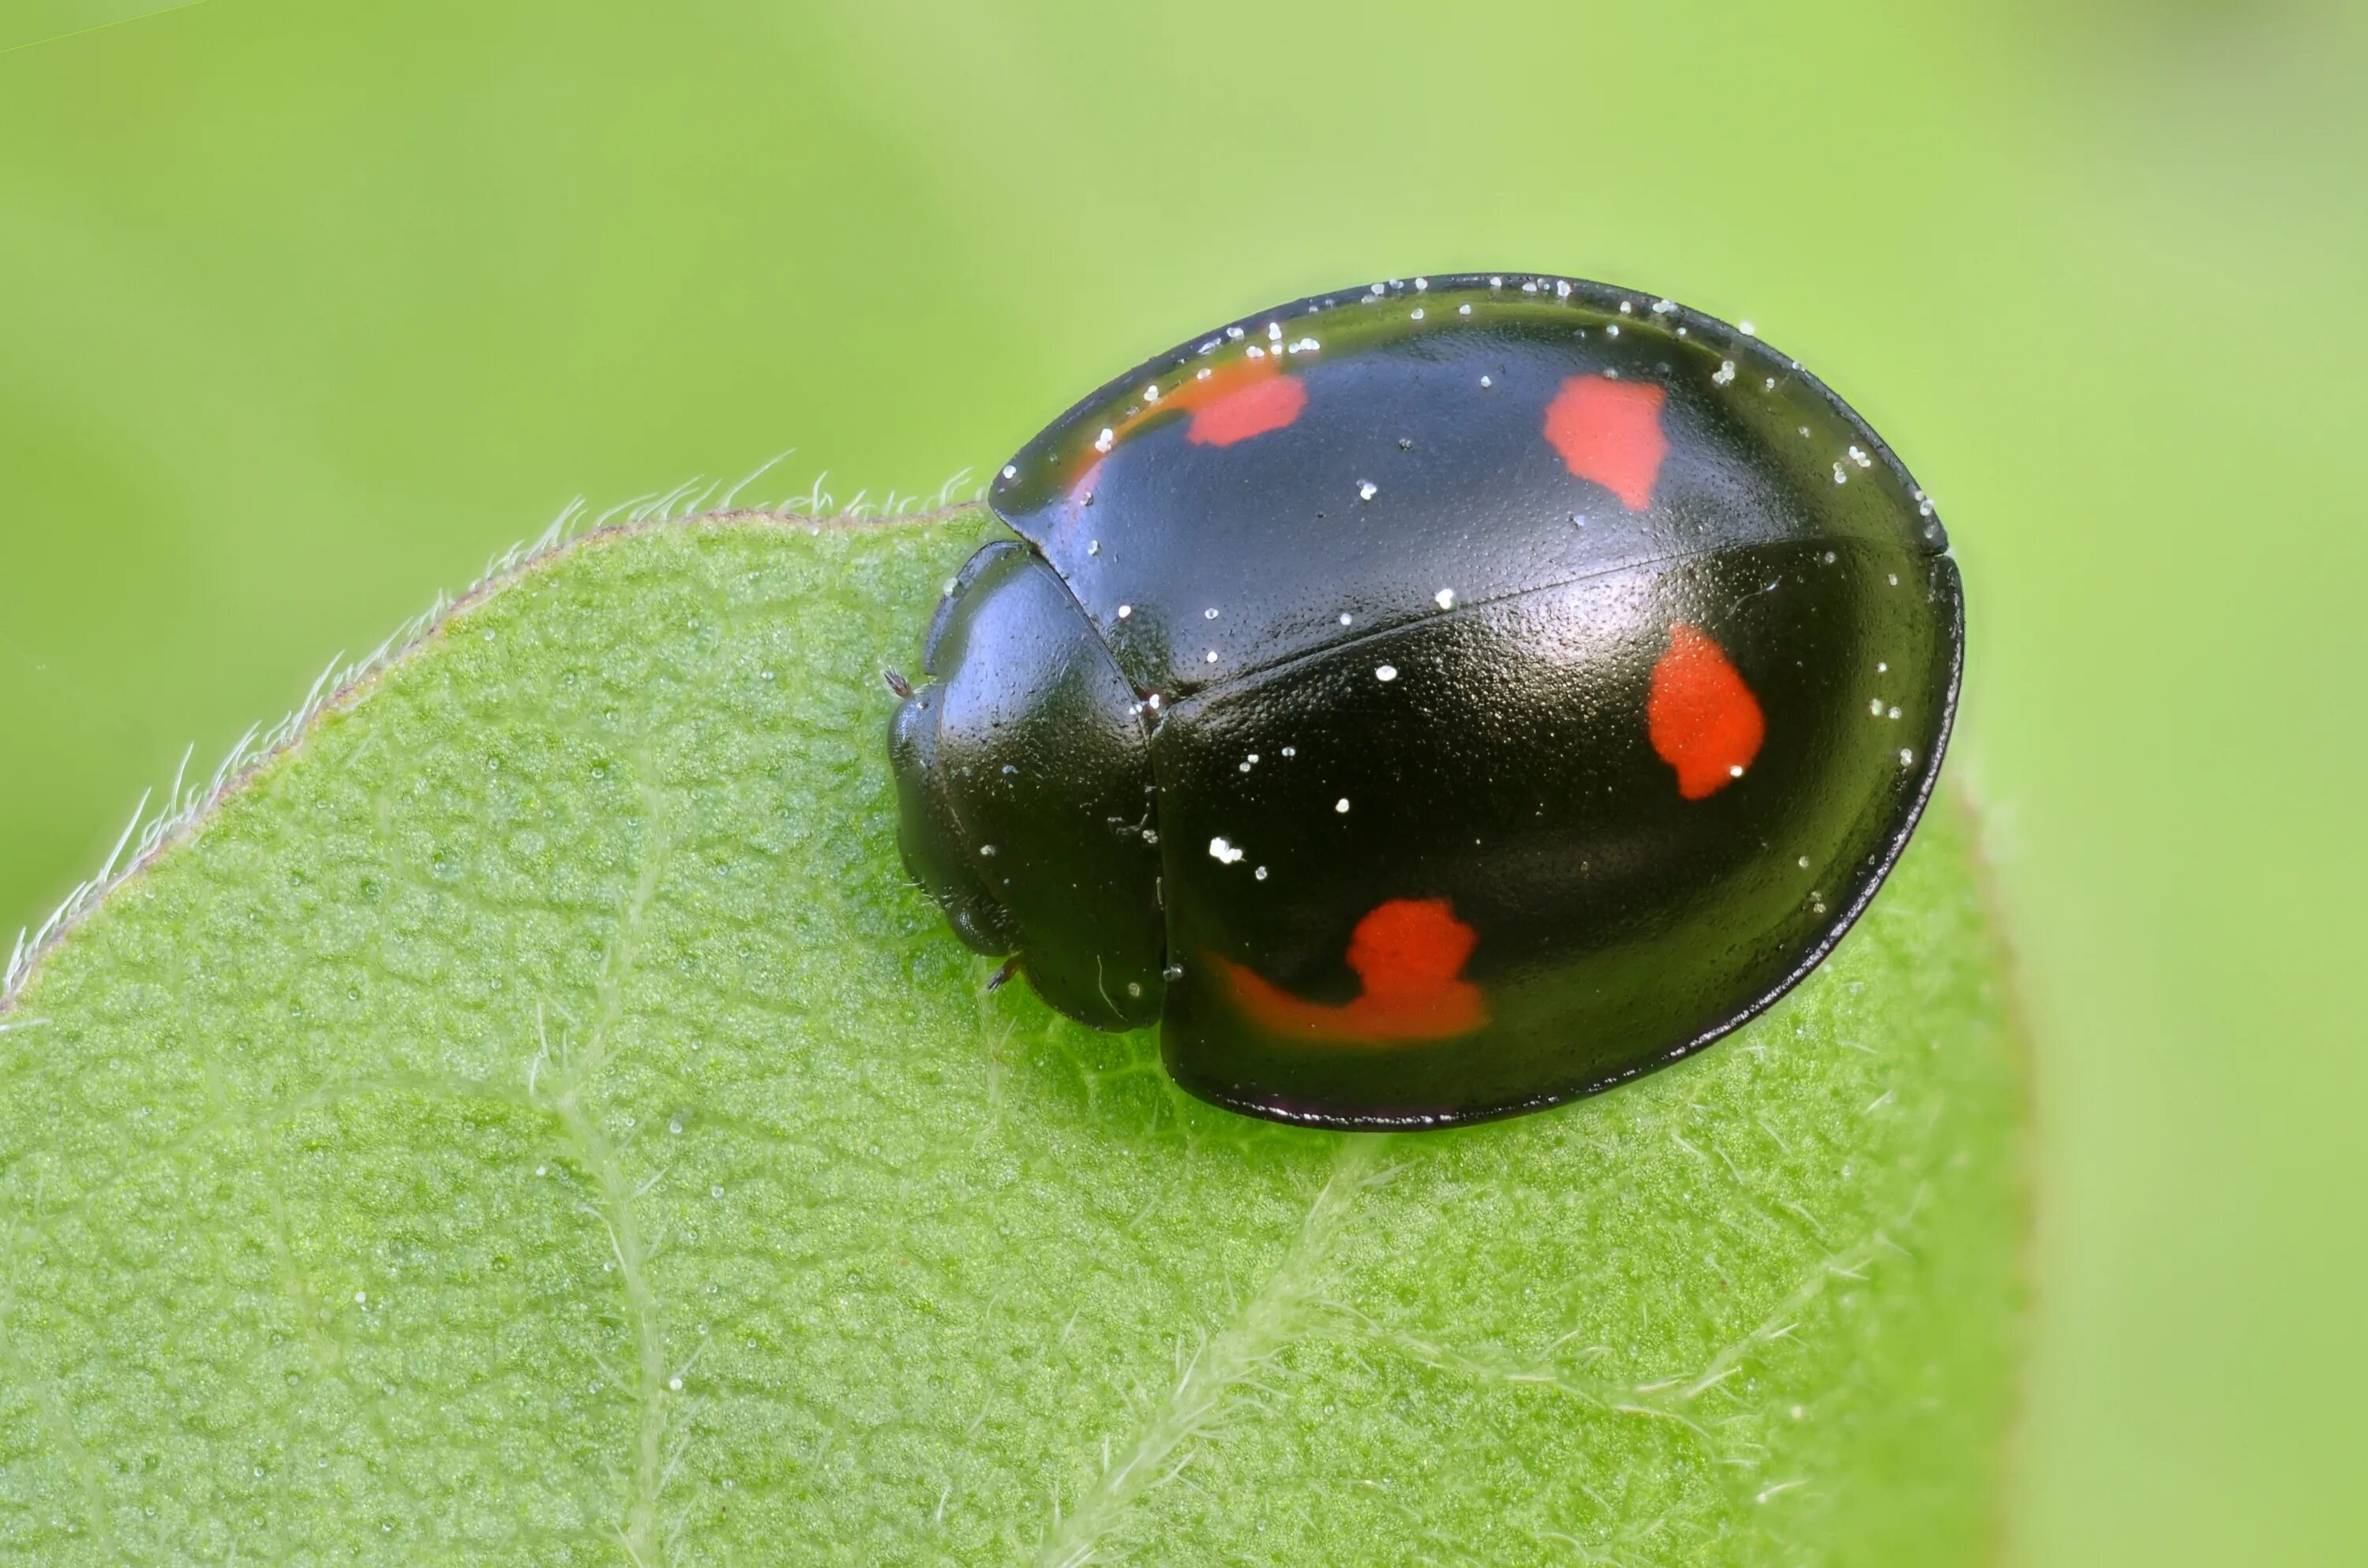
(1239, 400)
(1410, 953)
(1704, 719)
(1610, 432)
(1235, 401)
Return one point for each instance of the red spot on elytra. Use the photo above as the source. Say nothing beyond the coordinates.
(1610, 432)
(1410, 953)
(1238, 401)
(1704, 719)
(1232, 403)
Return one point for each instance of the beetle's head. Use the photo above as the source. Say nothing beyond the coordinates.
(1023, 778)
(938, 852)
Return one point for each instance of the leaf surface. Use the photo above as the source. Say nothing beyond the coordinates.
(532, 1120)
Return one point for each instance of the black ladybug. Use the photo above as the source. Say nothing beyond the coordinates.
(1436, 700)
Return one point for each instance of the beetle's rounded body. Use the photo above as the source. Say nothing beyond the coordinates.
(1435, 701)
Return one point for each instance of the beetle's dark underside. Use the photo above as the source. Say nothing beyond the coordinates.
(1365, 732)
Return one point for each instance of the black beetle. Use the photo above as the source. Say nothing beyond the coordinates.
(1435, 700)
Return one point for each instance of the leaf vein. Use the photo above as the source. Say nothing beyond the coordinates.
(1274, 1315)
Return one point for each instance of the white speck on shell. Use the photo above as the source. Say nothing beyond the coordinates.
(1444, 598)
(1341, 805)
(1010, 471)
(1746, 329)
(1463, 310)
(1366, 490)
(1107, 440)
(1725, 374)
(1125, 611)
(1385, 672)
(1222, 853)
(1213, 656)
(1259, 873)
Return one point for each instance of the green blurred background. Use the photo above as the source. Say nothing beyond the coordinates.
(305, 310)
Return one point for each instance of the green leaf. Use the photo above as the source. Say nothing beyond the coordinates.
(531, 1119)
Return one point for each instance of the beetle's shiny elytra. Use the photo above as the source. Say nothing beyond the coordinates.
(1435, 700)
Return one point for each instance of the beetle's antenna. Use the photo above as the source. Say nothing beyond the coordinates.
(896, 683)
(1002, 976)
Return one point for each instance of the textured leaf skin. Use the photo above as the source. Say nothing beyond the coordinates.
(553, 1024)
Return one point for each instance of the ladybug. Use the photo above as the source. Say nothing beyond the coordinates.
(1435, 700)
